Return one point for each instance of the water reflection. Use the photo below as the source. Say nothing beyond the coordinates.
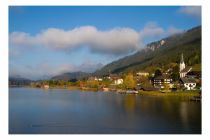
(184, 114)
(130, 103)
(65, 111)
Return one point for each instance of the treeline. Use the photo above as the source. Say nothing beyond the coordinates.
(129, 82)
(76, 83)
(19, 81)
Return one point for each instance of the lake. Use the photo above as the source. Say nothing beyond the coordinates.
(61, 111)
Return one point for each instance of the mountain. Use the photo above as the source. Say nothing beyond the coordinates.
(19, 81)
(71, 76)
(160, 53)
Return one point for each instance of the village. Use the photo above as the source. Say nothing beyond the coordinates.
(133, 83)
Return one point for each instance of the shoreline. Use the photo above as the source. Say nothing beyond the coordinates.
(192, 93)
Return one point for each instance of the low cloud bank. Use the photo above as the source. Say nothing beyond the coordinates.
(114, 41)
(46, 71)
(117, 41)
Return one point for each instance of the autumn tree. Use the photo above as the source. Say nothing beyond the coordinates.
(93, 83)
(166, 87)
(129, 82)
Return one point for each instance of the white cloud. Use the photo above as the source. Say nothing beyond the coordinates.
(154, 32)
(151, 29)
(194, 11)
(115, 41)
(21, 39)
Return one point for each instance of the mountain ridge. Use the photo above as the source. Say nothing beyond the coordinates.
(68, 76)
(170, 49)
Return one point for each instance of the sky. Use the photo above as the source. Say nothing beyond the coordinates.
(46, 41)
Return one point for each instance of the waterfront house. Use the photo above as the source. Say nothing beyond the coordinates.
(117, 80)
(46, 86)
(160, 81)
(194, 74)
(188, 83)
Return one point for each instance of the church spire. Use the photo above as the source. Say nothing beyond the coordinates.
(182, 59)
(182, 66)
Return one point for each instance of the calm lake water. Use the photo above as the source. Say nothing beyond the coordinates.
(60, 111)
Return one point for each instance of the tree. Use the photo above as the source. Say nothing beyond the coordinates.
(158, 72)
(175, 73)
(144, 81)
(175, 76)
(106, 83)
(93, 83)
(166, 86)
(129, 82)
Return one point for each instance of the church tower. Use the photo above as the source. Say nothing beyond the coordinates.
(181, 66)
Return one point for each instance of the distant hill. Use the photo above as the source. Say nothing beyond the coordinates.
(71, 76)
(19, 81)
(160, 53)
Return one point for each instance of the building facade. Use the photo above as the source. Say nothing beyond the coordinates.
(160, 81)
(188, 83)
(141, 73)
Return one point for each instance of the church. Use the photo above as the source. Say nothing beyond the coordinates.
(183, 70)
(188, 83)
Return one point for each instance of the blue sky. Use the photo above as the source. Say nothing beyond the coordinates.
(45, 41)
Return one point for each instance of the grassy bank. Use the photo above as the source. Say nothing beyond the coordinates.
(177, 93)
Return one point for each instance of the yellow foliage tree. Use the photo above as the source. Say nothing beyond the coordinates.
(129, 81)
(92, 83)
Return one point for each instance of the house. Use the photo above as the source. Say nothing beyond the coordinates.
(183, 70)
(100, 79)
(113, 76)
(118, 81)
(162, 42)
(194, 74)
(141, 73)
(188, 83)
(46, 86)
(116, 78)
(92, 78)
(95, 79)
(161, 80)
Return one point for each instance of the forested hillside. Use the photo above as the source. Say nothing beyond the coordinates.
(161, 54)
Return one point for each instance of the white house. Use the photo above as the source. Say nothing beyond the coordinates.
(162, 42)
(188, 83)
(118, 81)
(46, 86)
